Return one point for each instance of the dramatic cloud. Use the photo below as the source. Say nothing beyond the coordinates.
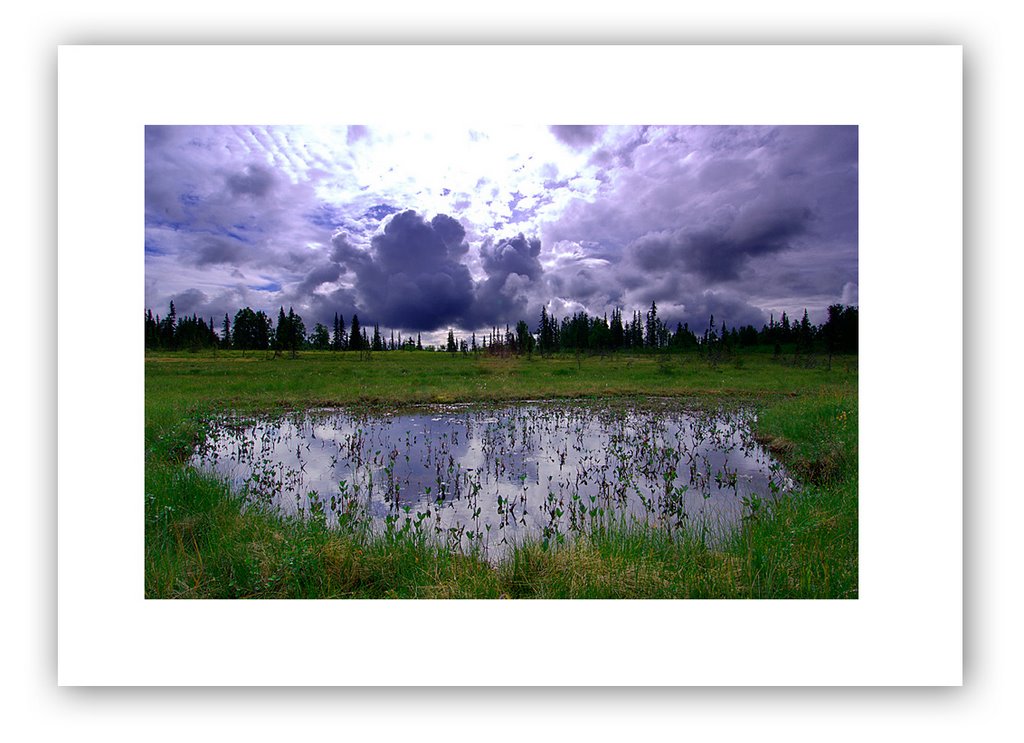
(411, 276)
(425, 229)
(718, 250)
(511, 267)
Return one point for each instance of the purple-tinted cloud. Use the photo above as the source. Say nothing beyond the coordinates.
(410, 277)
(254, 180)
(511, 266)
(718, 250)
(739, 221)
(577, 136)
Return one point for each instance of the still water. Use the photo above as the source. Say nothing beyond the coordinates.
(483, 479)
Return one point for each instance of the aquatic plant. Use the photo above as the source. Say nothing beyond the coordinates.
(462, 475)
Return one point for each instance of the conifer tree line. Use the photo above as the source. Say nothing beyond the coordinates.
(643, 331)
(253, 330)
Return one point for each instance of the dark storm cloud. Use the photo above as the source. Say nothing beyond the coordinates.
(411, 276)
(451, 232)
(322, 307)
(575, 135)
(343, 251)
(408, 243)
(512, 266)
(515, 255)
(719, 251)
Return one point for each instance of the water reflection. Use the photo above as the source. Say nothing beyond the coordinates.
(484, 479)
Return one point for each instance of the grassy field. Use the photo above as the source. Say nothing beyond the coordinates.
(200, 543)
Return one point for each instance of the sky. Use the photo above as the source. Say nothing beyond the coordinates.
(422, 230)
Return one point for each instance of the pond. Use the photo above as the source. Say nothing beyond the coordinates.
(481, 480)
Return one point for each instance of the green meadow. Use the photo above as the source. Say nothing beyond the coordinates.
(203, 541)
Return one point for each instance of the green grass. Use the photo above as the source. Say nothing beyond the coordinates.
(202, 543)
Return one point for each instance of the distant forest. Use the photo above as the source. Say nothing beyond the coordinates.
(255, 331)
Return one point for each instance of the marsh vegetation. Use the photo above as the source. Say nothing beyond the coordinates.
(482, 481)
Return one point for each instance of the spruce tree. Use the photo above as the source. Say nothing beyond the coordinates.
(151, 335)
(545, 331)
(806, 335)
(355, 336)
(167, 334)
(225, 340)
(652, 326)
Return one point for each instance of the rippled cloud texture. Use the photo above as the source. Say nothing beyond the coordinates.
(425, 230)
